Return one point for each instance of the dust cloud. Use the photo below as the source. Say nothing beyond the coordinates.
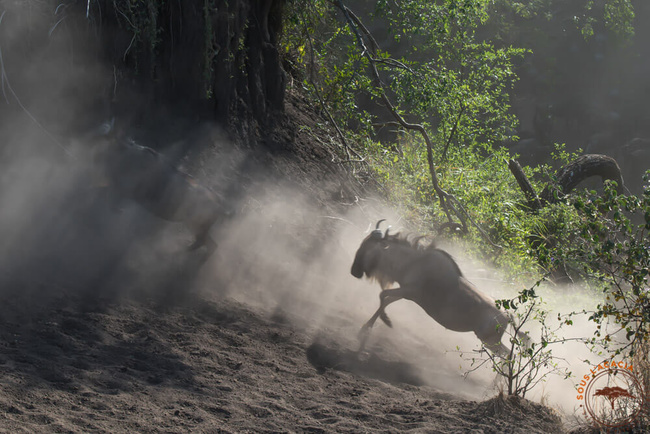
(283, 252)
(287, 256)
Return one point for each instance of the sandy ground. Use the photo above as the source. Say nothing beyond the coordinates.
(108, 325)
(217, 365)
(260, 338)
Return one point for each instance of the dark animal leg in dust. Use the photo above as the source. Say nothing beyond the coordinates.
(211, 245)
(198, 242)
(203, 239)
(499, 349)
(386, 297)
(492, 340)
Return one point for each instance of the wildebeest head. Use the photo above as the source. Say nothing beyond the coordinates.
(368, 254)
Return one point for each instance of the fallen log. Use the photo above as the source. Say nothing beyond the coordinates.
(568, 178)
(583, 167)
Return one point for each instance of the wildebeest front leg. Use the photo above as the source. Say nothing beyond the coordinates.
(206, 241)
(203, 238)
(386, 297)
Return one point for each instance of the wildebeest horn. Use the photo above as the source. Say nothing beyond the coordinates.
(386, 233)
(377, 232)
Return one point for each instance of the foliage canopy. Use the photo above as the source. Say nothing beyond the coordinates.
(451, 67)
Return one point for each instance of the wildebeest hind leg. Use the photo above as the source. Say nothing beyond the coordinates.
(493, 343)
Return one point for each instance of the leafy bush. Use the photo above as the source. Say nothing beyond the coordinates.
(457, 84)
(610, 247)
(529, 360)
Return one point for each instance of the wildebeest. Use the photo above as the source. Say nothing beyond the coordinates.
(145, 176)
(431, 278)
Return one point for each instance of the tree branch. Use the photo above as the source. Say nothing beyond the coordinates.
(533, 201)
(446, 200)
(453, 131)
(568, 178)
(355, 24)
(583, 167)
(395, 64)
(322, 103)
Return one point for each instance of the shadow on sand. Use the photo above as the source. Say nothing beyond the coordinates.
(372, 366)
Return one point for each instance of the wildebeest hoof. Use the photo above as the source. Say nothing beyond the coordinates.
(362, 355)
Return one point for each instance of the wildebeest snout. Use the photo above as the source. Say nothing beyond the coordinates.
(363, 261)
(357, 269)
(366, 259)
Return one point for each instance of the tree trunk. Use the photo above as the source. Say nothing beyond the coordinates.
(196, 52)
(585, 166)
(568, 178)
(533, 201)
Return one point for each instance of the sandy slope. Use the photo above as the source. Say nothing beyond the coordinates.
(213, 364)
(108, 325)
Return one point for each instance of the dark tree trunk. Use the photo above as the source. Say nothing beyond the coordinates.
(568, 178)
(251, 79)
(585, 166)
(215, 53)
(533, 201)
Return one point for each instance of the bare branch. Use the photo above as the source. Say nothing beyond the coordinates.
(396, 64)
(445, 198)
(386, 124)
(322, 103)
(453, 131)
(533, 200)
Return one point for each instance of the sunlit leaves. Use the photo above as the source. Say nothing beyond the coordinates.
(461, 82)
(452, 73)
(612, 244)
(619, 16)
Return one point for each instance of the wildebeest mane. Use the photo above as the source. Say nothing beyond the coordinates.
(413, 242)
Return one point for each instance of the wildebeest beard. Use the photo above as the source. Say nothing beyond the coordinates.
(377, 275)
